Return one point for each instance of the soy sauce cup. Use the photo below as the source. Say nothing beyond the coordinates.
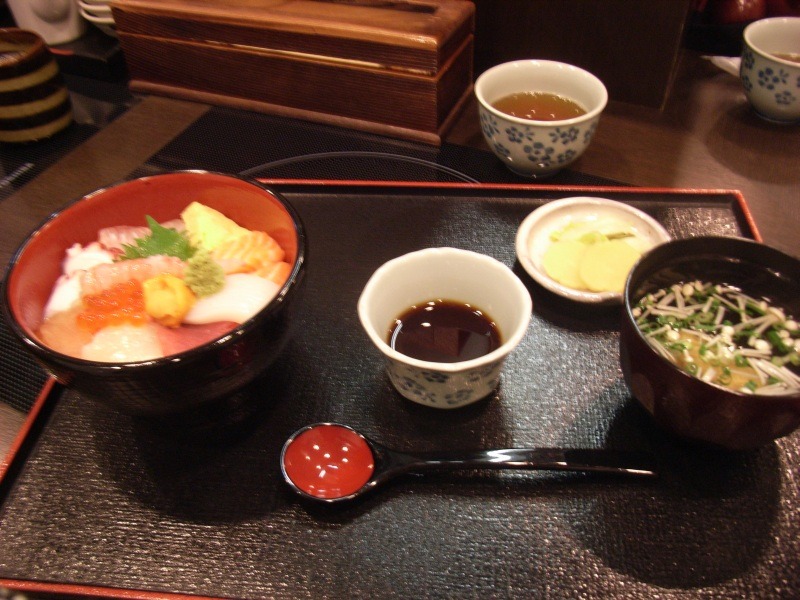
(461, 277)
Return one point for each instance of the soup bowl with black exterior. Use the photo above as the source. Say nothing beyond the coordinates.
(179, 382)
(682, 403)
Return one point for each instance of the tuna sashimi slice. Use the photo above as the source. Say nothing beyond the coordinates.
(186, 337)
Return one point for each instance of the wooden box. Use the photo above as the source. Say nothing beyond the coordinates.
(396, 67)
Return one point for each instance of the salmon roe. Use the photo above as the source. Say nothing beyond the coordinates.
(121, 303)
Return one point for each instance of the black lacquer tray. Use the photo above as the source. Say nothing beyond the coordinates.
(97, 503)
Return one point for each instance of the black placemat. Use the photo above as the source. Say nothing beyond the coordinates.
(259, 145)
(108, 500)
(21, 378)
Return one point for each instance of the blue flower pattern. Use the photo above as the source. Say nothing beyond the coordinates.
(552, 149)
(776, 80)
(435, 388)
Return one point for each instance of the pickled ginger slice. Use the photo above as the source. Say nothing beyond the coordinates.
(242, 296)
(605, 266)
(124, 343)
(562, 262)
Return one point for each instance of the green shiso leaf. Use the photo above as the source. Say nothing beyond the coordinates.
(161, 240)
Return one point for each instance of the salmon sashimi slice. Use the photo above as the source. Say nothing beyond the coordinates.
(248, 252)
(276, 272)
(104, 276)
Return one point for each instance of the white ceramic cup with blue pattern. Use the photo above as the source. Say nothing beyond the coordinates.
(539, 148)
(771, 82)
(448, 274)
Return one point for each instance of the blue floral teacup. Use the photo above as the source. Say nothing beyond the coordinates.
(539, 148)
(416, 278)
(770, 69)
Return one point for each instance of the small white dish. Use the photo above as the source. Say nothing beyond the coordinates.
(534, 237)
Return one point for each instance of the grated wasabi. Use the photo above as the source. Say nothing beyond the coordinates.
(204, 275)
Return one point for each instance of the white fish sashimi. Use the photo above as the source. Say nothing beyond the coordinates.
(81, 258)
(124, 343)
(67, 290)
(121, 235)
(242, 296)
(66, 293)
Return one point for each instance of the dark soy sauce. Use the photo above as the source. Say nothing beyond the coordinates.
(444, 331)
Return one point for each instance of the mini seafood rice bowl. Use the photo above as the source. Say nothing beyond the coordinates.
(189, 344)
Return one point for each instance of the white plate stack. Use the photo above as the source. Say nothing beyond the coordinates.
(98, 12)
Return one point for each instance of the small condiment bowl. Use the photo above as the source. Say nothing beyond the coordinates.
(772, 83)
(686, 404)
(538, 148)
(536, 230)
(450, 274)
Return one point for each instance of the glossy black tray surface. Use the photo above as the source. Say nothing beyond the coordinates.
(100, 503)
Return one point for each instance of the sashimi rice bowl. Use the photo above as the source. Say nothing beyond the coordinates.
(160, 293)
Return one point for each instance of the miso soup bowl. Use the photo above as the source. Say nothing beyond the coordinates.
(682, 403)
(772, 83)
(533, 148)
(178, 382)
(448, 274)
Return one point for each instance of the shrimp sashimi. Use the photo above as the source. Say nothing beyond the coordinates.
(114, 238)
(247, 252)
(103, 276)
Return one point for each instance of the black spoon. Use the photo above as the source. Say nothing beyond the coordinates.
(329, 462)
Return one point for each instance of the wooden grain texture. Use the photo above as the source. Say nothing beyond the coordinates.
(632, 45)
(352, 91)
(400, 34)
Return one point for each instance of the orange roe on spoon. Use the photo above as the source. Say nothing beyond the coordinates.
(122, 303)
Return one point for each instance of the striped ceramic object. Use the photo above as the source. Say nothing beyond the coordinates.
(34, 103)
